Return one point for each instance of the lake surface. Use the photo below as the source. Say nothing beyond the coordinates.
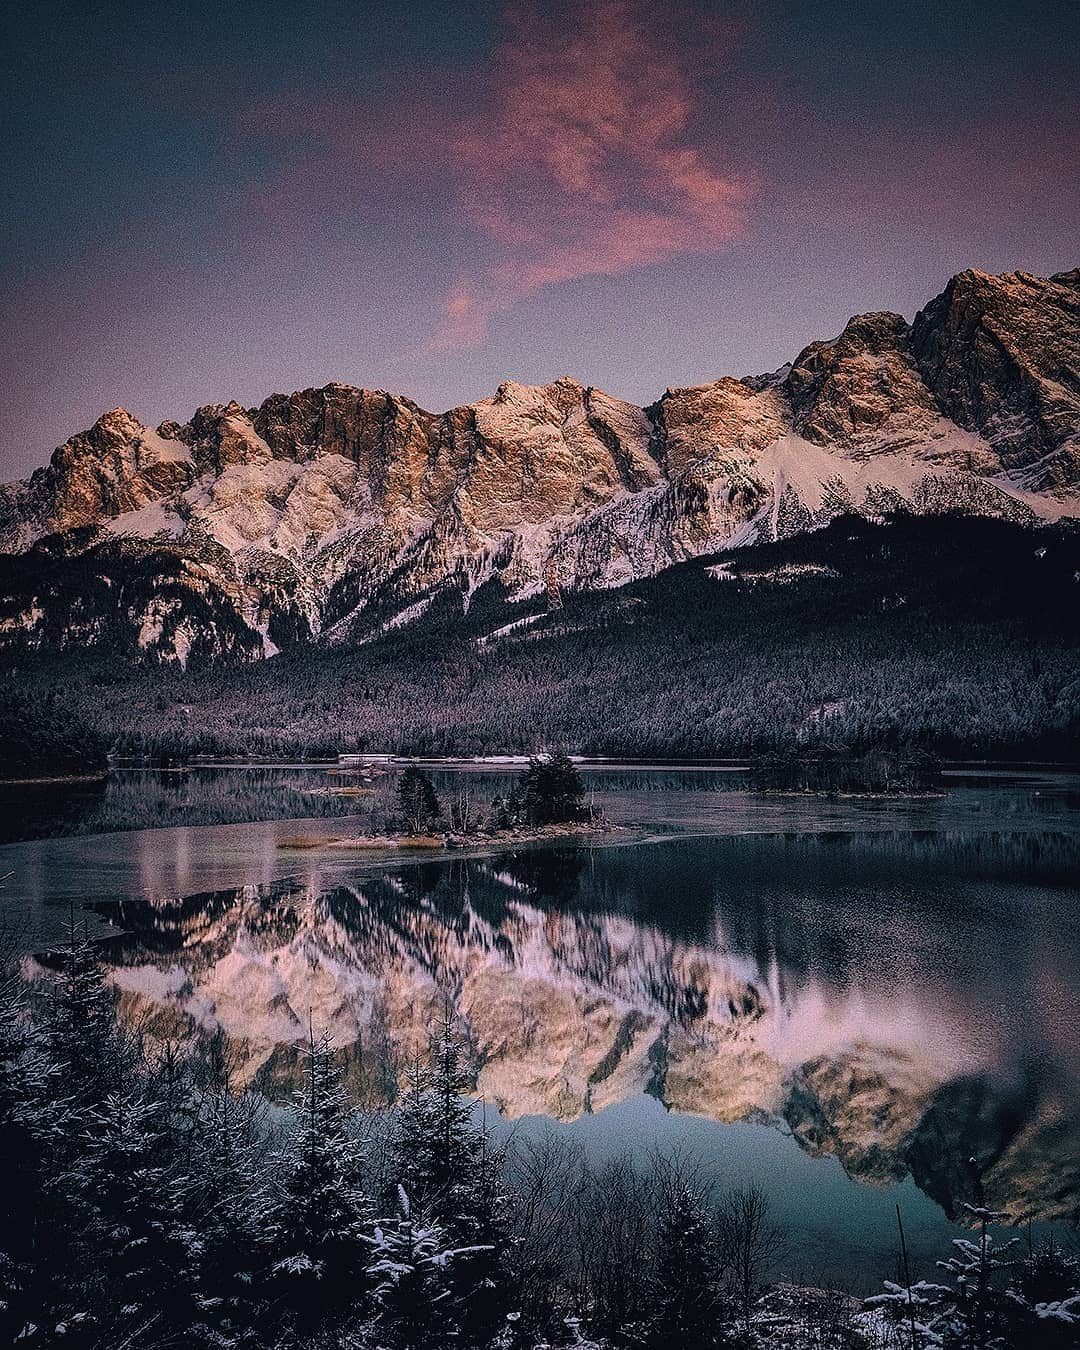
(854, 1003)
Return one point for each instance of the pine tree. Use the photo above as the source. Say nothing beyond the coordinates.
(970, 1313)
(140, 1250)
(916, 1310)
(418, 800)
(30, 1130)
(317, 1216)
(173, 1085)
(1043, 1305)
(91, 1052)
(688, 1304)
(410, 1270)
(230, 1209)
(413, 1129)
(552, 790)
(452, 1174)
(974, 1312)
(87, 1057)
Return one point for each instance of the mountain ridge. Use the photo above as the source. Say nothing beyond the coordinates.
(305, 517)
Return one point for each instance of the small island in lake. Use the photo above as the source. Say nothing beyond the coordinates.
(850, 773)
(546, 802)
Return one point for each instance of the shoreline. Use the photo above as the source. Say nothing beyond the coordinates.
(496, 763)
(56, 778)
(827, 793)
(450, 843)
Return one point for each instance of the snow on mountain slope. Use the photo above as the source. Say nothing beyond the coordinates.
(321, 514)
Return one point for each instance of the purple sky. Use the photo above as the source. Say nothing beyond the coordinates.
(436, 197)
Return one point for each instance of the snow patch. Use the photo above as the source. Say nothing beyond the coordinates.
(507, 628)
(156, 518)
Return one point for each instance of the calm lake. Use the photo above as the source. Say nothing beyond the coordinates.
(854, 1003)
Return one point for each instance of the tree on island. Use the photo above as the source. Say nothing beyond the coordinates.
(418, 801)
(551, 791)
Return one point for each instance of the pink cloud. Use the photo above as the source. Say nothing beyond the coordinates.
(580, 163)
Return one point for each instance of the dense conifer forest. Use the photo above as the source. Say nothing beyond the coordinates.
(954, 634)
(149, 1204)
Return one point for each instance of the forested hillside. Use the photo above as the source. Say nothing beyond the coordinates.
(955, 633)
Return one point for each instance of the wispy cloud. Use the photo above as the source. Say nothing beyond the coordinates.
(580, 163)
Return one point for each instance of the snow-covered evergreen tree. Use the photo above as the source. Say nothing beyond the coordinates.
(916, 1311)
(86, 1057)
(452, 1173)
(229, 1204)
(90, 1050)
(317, 1214)
(973, 1313)
(410, 1268)
(436, 1142)
(140, 1248)
(31, 1128)
(969, 1312)
(1044, 1299)
(413, 1129)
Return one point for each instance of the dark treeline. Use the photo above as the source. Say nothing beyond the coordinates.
(837, 769)
(149, 1204)
(958, 635)
(151, 798)
(46, 728)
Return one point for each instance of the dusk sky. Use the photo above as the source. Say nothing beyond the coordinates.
(207, 201)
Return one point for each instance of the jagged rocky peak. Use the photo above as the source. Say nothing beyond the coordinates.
(563, 397)
(117, 427)
(862, 385)
(221, 434)
(728, 415)
(1001, 354)
(340, 419)
(118, 465)
(551, 450)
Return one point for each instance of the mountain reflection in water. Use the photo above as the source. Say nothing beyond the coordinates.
(904, 1001)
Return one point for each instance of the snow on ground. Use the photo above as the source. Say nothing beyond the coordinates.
(399, 620)
(153, 519)
(507, 628)
(153, 446)
(779, 576)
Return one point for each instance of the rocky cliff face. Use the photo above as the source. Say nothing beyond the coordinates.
(332, 513)
(999, 354)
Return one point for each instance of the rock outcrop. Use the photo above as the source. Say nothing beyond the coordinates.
(1000, 356)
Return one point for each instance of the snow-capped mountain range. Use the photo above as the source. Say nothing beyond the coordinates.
(332, 514)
